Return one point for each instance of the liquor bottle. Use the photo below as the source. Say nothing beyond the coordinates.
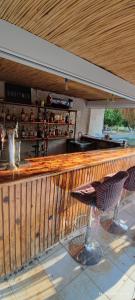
(53, 131)
(70, 121)
(42, 103)
(67, 119)
(56, 119)
(23, 132)
(32, 117)
(49, 100)
(71, 133)
(56, 131)
(31, 132)
(63, 119)
(2, 116)
(39, 133)
(26, 118)
(22, 115)
(45, 133)
(59, 132)
(65, 133)
(8, 117)
(40, 115)
(14, 118)
(62, 132)
(42, 134)
(46, 117)
(50, 132)
(60, 118)
(51, 119)
(26, 132)
(35, 133)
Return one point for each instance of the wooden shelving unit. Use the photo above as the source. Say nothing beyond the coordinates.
(46, 126)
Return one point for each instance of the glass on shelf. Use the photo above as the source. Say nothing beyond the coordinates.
(71, 133)
(26, 117)
(22, 115)
(23, 132)
(32, 116)
(56, 131)
(40, 115)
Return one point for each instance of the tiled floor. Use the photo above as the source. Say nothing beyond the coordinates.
(56, 276)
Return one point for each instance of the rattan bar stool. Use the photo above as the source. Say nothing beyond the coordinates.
(102, 196)
(113, 224)
(129, 184)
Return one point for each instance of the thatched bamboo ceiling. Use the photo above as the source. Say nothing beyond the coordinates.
(20, 74)
(101, 31)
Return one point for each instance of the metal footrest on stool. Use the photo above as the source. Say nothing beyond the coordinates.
(117, 227)
(131, 234)
(85, 254)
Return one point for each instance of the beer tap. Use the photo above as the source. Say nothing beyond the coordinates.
(17, 146)
(2, 139)
(12, 134)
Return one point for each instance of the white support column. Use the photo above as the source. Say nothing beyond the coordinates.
(96, 121)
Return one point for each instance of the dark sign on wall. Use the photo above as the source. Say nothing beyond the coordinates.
(16, 93)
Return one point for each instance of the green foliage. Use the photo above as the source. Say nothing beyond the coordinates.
(113, 117)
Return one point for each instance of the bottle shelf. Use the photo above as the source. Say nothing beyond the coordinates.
(41, 123)
(59, 124)
(6, 102)
(58, 137)
(46, 139)
(63, 122)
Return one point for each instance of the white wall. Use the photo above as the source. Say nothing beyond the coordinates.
(96, 121)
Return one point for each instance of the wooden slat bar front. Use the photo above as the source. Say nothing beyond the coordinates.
(37, 211)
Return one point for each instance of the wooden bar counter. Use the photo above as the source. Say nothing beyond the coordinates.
(36, 209)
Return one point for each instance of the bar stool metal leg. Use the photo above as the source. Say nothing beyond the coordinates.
(114, 225)
(85, 250)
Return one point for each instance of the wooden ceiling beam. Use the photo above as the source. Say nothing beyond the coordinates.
(20, 74)
(21, 46)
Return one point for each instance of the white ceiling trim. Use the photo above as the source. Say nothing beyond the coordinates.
(100, 104)
(21, 46)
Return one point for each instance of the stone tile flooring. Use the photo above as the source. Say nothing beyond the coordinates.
(56, 276)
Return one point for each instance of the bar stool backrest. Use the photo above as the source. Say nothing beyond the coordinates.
(109, 192)
(130, 181)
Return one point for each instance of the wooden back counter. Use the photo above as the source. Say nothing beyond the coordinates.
(36, 209)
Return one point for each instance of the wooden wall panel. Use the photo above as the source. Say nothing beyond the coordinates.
(23, 221)
(42, 215)
(37, 213)
(12, 232)
(2, 265)
(6, 227)
(28, 219)
(17, 224)
(33, 220)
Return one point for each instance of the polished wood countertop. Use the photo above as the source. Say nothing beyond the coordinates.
(53, 165)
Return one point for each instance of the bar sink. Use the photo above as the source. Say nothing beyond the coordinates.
(80, 146)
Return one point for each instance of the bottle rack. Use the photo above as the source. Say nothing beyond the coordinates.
(51, 129)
